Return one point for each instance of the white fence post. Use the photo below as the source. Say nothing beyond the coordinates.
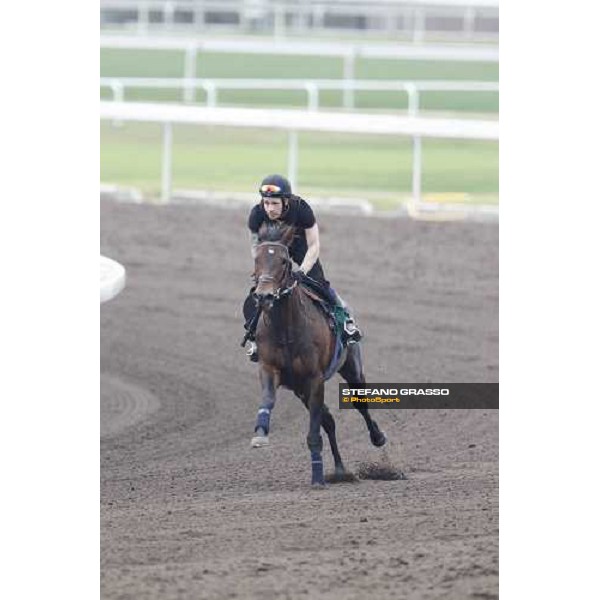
(469, 22)
(416, 174)
(168, 11)
(418, 25)
(167, 162)
(117, 89)
(313, 95)
(279, 22)
(211, 93)
(118, 92)
(199, 17)
(349, 62)
(293, 158)
(413, 99)
(189, 90)
(143, 18)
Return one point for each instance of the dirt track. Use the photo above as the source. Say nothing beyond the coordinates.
(190, 511)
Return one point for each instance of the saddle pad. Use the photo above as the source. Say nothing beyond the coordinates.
(336, 359)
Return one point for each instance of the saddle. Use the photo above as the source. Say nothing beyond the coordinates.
(336, 315)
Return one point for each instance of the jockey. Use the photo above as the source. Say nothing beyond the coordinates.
(279, 204)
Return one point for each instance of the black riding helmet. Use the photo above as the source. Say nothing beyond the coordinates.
(276, 186)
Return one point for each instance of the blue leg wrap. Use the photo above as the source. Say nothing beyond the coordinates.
(317, 468)
(263, 419)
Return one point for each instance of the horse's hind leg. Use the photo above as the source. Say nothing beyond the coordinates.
(328, 424)
(315, 392)
(352, 372)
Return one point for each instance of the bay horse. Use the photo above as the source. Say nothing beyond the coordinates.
(295, 348)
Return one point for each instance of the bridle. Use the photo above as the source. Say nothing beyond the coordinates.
(280, 292)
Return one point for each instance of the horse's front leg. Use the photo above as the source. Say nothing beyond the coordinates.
(316, 397)
(268, 382)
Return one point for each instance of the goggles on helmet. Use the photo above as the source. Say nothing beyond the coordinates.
(270, 190)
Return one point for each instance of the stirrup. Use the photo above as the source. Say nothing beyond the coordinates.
(353, 333)
(252, 351)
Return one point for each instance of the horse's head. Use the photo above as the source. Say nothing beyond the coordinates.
(272, 263)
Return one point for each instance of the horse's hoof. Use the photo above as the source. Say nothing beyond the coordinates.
(258, 441)
(379, 440)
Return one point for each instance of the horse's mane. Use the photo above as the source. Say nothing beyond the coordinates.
(276, 232)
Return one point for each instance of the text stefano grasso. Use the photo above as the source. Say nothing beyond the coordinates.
(396, 391)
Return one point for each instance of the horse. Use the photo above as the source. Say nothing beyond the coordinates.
(296, 347)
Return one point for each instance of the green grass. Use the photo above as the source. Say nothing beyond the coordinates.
(169, 63)
(141, 63)
(231, 159)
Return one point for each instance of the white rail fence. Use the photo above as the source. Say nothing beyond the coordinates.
(346, 50)
(294, 121)
(412, 19)
(349, 53)
(312, 88)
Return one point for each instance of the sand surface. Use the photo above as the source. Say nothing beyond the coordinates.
(189, 510)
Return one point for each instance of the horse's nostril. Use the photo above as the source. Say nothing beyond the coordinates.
(263, 299)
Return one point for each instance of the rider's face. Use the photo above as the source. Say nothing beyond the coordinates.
(273, 207)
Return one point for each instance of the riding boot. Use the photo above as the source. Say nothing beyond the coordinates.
(252, 313)
(351, 330)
